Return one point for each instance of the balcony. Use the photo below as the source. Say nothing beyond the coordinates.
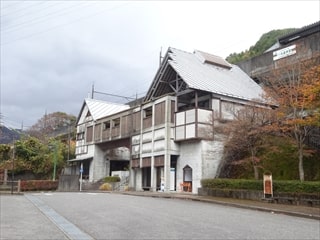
(193, 124)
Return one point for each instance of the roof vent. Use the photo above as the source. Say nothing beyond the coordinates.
(212, 59)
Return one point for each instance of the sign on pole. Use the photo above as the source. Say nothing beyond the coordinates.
(267, 185)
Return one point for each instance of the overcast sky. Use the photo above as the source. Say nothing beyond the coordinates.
(52, 52)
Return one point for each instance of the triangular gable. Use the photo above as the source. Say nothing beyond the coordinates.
(93, 109)
(182, 70)
(166, 80)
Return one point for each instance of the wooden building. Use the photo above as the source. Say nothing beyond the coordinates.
(167, 140)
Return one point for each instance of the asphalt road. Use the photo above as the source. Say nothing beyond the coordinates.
(116, 216)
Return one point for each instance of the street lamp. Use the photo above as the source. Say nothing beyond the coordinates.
(55, 149)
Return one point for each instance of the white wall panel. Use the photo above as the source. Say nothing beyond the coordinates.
(180, 133)
(159, 145)
(159, 134)
(146, 137)
(146, 147)
(204, 116)
(190, 131)
(190, 116)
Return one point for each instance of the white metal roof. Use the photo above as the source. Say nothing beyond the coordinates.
(202, 75)
(99, 109)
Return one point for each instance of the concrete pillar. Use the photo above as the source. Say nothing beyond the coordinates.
(5, 177)
(99, 165)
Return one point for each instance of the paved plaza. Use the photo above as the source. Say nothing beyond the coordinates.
(85, 215)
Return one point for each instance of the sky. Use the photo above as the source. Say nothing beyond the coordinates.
(53, 52)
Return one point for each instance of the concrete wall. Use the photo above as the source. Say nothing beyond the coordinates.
(264, 63)
(99, 166)
(312, 200)
(69, 183)
(204, 157)
(212, 154)
(191, 155)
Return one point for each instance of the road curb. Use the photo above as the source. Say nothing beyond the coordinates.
(198, 198)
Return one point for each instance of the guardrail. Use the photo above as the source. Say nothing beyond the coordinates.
(10, 186)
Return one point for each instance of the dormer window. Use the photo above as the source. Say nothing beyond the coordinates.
(212, 59)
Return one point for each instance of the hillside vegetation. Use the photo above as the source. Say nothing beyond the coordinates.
(264, 43)
(277, 155)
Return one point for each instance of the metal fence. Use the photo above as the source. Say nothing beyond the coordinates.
(10, 186)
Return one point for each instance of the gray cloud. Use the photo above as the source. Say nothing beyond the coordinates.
(53, 51)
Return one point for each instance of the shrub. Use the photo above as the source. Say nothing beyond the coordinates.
(232, 184)
(105, 187)
(296, 186)
(257, 185)
(38, 185)
(111, 179)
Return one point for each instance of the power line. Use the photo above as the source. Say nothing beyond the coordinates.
(21, 9)
(114, 95)
(12, 4)
(41, 19)
(62, 25)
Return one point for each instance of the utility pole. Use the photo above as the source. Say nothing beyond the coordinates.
(12, 170)
(68, 142)
(54, 161)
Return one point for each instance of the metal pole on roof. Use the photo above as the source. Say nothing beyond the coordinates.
(160, 57)
(92, 90)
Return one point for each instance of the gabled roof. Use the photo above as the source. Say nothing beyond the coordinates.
(204, 71)
(99, 109)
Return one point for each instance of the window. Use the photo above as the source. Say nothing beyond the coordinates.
(80, 136)
(116, 122)
(106, 125)
(147, 113)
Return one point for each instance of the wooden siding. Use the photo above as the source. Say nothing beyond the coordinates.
(106, 134)
(173, 106)
(159, 161)
(135, 163)
(146, 162)
(160, 112)
(147, 122)
(126, 125)
(97, 132)
(89, 134)
(115, 132)
(136, 121)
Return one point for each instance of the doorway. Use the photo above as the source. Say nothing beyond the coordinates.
(187, 178)
(146, 178)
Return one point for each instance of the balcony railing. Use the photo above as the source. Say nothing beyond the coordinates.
(193, 124)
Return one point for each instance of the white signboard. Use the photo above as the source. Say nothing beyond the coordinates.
(284, 52)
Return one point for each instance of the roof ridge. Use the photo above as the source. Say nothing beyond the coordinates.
(103, 101)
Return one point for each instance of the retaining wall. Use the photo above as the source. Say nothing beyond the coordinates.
(308, 199)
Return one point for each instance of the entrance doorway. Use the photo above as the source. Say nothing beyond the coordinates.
(119, 165)
(173, 172)
(187, 178)
(146, 178)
